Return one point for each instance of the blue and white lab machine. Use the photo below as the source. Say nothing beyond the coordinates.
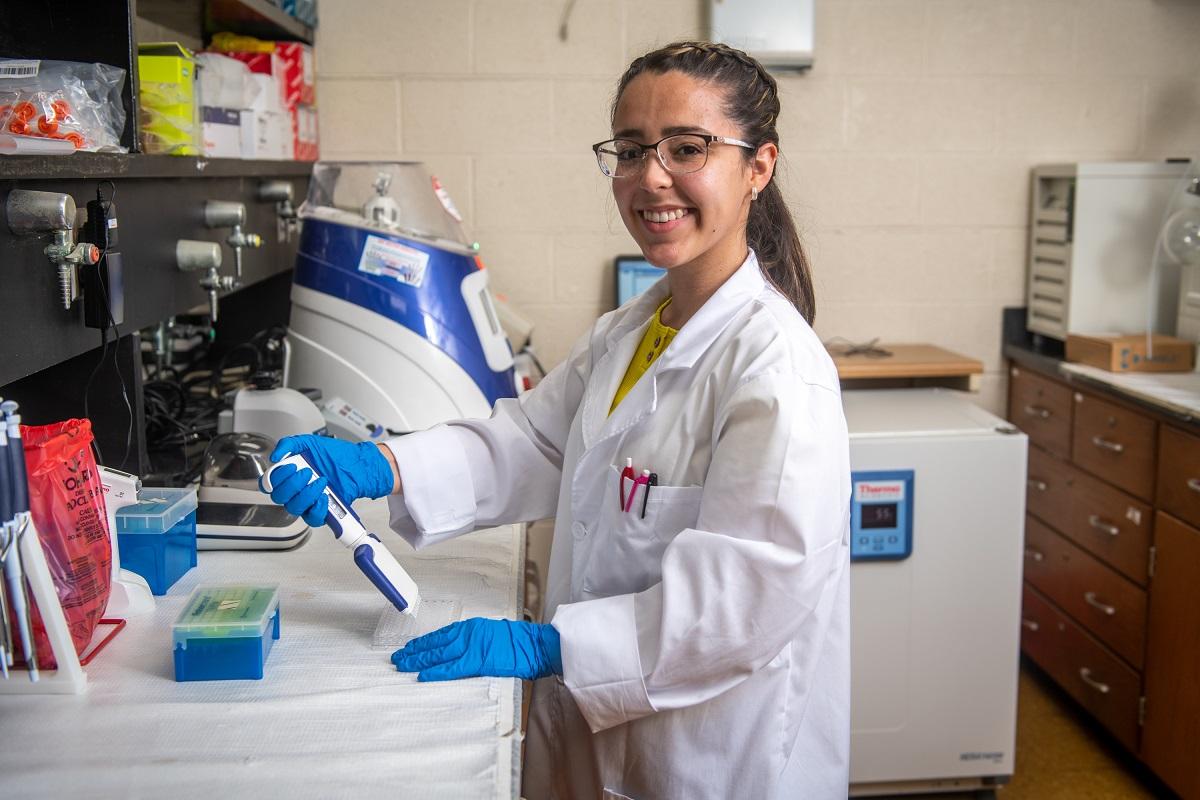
(391, 311)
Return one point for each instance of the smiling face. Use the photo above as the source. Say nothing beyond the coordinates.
(696, 220)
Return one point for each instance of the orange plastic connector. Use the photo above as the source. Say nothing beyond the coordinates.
(24, 111)
(62, 109)
(18, 126)
(75, 139)
(47, 124)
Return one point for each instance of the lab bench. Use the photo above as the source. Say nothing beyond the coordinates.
(331, 717)
(1111, 608)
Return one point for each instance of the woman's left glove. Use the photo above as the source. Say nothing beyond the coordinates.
(473, 648)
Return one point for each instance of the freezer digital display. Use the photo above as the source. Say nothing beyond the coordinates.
(879, 515)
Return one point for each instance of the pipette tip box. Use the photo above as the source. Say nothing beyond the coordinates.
(226, 632)
(157, 536)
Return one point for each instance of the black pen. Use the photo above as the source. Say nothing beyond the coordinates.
(651, 481)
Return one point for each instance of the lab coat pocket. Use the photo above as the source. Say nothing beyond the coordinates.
(625, 554)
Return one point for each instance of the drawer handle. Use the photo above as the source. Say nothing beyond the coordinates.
(1038, 484)
(1100, 525)
(1086, 674)
(1030, 624)
(1194, 484)
(1034, 554)
(1115, 447)
(1038, 411)
(1090, 597)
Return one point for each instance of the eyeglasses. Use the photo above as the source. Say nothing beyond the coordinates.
(679, 154)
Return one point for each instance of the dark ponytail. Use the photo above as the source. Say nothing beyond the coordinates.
(752, 102)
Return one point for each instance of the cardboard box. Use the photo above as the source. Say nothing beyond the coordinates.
(304, 133)
(1121, 353)
(298, 73)
(221, 131)
(266, 135)
(271, 65)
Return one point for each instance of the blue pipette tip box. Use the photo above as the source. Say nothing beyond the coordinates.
(157, 536)
(225, 633)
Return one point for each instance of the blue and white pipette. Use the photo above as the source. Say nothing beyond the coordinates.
(375, 560)
(17, 502)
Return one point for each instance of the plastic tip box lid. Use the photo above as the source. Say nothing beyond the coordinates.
(157, 510)
(226, 612)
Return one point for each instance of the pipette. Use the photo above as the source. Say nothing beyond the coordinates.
(16, 509)
(373, 559)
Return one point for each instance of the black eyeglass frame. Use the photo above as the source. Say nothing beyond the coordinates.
(709, 140)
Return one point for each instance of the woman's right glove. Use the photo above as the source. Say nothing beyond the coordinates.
(352, 470)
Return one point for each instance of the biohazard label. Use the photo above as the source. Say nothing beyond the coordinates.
(390, 259)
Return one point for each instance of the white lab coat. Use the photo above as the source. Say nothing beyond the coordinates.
(706, 647)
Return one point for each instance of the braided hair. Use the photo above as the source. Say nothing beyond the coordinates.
(752, 102)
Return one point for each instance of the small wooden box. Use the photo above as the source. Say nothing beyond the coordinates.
(1128, 353)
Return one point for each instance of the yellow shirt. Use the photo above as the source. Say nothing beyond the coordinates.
(656, 339)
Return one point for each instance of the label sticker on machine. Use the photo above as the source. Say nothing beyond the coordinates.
(881, 515)
(390, 259)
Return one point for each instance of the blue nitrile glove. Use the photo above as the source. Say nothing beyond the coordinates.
(352, 470)
(473, 648)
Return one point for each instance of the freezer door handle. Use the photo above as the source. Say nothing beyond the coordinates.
(1086, 674)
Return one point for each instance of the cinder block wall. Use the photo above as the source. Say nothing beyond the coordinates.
(906, 150)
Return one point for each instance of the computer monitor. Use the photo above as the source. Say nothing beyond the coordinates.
(634, 276)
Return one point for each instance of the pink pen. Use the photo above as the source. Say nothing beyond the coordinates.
(626, 473)
(642, 480)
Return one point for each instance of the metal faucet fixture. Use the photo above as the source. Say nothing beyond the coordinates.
(194, 256)
(31, 212)
(224, 214)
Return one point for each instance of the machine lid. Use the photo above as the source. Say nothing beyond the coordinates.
(399, 197)
(872, 413)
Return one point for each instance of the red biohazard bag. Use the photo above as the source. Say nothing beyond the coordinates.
(67, 503)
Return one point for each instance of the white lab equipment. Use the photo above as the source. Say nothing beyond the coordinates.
(937, 520)
(130, 594)
(371, 556)
(779, 33)
(233, 514)
(273, 411)
(1093, 231)
(390, 303)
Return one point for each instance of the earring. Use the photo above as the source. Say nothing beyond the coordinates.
(753, 193)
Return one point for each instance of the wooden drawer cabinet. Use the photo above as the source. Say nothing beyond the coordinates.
(1049, 483)
(1096, 678)
(1179, 474)
(1171, 737)
(1110, 524)
(1111, 603)
(1041, 408)
(1109, 606)
(1115, 444)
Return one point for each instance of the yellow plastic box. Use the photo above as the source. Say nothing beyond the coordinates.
(170, 115)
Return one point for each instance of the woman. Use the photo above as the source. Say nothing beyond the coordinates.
(698, 642)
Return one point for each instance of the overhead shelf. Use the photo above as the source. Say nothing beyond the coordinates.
(136, 165)
(255, 18)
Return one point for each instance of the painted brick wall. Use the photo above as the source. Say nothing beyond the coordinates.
(906, 150)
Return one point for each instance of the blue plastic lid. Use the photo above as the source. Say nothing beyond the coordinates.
(157, 510)
(219, 612)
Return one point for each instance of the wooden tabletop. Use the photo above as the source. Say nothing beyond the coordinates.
(905, 361)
